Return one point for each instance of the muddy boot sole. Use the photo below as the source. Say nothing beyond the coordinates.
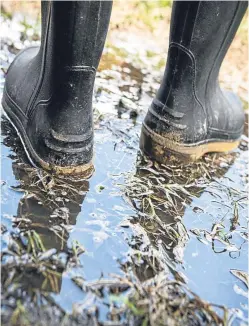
(164, 150)
(82, 171)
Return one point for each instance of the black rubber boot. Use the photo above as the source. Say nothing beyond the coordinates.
(190, 114)
(48, 90)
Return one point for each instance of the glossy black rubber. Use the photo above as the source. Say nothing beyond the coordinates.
(190, 107)
(48, 90)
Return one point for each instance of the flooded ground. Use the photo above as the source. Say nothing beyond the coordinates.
(137, 243)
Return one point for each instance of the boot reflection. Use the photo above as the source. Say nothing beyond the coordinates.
(160, 195)
(45, 213)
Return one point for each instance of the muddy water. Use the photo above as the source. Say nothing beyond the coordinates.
(100, 216)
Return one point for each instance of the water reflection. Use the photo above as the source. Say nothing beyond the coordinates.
(143, 241)
(161, 196)
(44, 216)
(43, 209)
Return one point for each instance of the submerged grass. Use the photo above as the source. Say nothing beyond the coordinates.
(157, 301)
(151, 291)
(161, 301)
(160, 194)
(157, 193)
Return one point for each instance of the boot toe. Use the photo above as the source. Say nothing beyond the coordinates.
(21, 77)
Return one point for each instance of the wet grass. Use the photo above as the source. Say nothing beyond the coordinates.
(152, 299)
(158, 301)
(40, 250)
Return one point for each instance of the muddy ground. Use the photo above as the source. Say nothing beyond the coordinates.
(136, 244)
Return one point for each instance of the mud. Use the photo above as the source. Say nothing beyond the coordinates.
(138, 243)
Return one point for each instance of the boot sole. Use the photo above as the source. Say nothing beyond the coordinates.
(84, 171)
(165, 150)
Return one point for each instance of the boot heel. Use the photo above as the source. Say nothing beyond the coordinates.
(48, 90)
(81, 171)
(190, 114)
(165, 151)
(151, 146)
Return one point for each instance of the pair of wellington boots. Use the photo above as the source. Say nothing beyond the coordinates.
(48, 89)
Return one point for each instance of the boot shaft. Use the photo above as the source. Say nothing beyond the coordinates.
(77, 31)
(73, 36)
(200, 35)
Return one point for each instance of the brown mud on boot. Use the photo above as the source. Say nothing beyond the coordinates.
(191, 115)
(48, 90)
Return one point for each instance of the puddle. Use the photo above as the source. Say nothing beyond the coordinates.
(70, 245)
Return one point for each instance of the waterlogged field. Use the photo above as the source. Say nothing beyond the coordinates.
(136, 244)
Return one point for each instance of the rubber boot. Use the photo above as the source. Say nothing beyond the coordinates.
(190, 115)
(48, 90)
